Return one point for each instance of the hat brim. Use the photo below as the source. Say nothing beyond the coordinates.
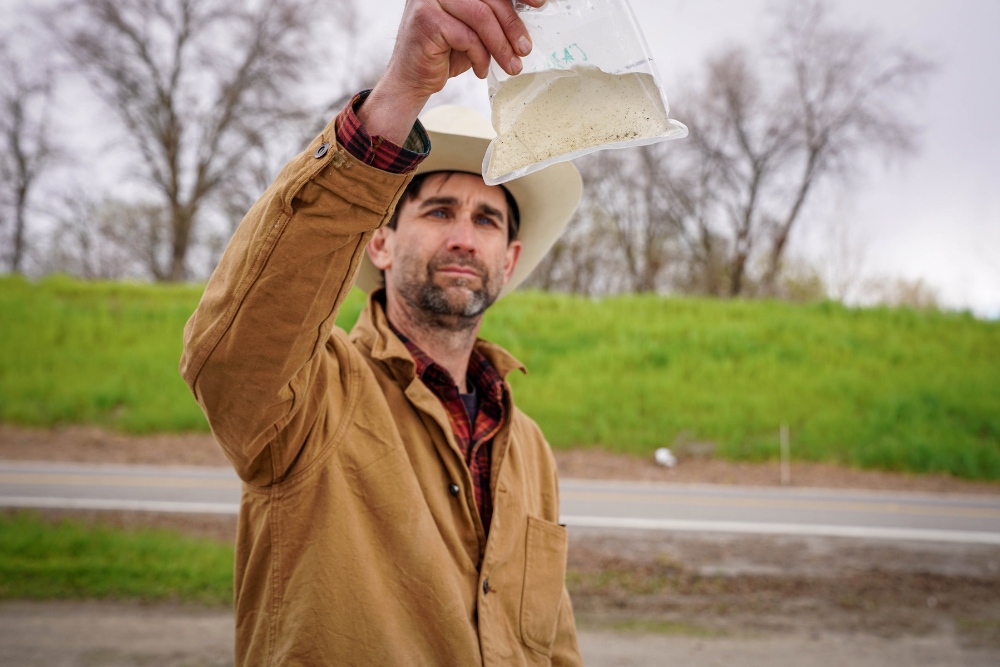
(546, 198)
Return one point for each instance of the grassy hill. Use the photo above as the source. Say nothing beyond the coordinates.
(879, 388)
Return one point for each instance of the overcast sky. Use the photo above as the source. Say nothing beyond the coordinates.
(937, 215)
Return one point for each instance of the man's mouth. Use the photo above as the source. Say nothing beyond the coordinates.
(459, 271)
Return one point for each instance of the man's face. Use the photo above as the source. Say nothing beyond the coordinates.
(448, 257)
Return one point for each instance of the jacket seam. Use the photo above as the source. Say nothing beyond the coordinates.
(331, 445)
(220, 329)
(275, 530)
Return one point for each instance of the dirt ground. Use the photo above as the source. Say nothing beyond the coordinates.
(641, 598)
(111, 634)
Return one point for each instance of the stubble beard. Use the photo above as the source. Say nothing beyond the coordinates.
(441, 307)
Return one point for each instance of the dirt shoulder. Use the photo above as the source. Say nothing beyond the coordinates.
(121, 634)
(753, 586)
(95, 445)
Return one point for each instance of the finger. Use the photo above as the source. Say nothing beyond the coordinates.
(512, 25)
(465, 41)
(480, 17)
(459, 63)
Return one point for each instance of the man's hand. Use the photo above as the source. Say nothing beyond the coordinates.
(439, 39)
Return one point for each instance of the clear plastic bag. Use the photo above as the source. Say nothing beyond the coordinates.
(589, 84)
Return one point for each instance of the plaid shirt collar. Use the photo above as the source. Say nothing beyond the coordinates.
(474, 440)
(488, 383)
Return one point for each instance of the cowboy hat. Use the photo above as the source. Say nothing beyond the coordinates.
(546, 198)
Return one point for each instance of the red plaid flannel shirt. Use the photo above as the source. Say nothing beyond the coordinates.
(376, 151)
(475, 440)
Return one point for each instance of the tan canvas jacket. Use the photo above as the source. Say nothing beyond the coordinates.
(352, 548)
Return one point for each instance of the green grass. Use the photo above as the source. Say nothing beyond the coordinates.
(71, 560)
(874, 388)
(99, 353)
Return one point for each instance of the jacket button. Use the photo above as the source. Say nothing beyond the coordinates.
(453, 489)
(486, 586)
(322, 150)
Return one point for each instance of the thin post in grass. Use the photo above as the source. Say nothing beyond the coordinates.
(786, 457)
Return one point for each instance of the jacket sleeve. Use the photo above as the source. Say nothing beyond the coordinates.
(258, 353)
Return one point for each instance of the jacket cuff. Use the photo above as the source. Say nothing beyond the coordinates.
(378, 151)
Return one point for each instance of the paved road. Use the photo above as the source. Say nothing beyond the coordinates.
(612, 505)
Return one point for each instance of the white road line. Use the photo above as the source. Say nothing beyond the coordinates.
(961, 536)
(41, 502)
(670, 525)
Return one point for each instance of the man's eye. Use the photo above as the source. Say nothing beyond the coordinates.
(485, 220)
(437, 213)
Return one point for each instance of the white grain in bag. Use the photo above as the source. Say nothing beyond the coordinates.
(588, 84)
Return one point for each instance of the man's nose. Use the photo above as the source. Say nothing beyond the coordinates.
(462, 235)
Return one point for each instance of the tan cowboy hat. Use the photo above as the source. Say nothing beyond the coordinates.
(546, 198)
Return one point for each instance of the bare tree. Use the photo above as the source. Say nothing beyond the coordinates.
(844, 260)
(624, 196)
(771, 131)
(201, 87)
(899, 292)
(714, 213)
(106, 239)
(25, 149)
(240, 192)
(848, 91)
(691, 210)
(626, 235)
(581, 262)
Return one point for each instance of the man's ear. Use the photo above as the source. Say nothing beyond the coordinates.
(380, 248)
(510, 260)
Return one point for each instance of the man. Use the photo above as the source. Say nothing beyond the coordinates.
(397, 508)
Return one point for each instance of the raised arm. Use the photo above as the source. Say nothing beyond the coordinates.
(255, 350)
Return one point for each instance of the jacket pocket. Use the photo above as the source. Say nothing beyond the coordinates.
(544, 578)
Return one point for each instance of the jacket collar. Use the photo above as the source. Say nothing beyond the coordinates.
(373, 331)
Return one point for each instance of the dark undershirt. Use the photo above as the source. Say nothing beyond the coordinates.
(471, 402)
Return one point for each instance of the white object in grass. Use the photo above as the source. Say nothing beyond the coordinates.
(665, 457)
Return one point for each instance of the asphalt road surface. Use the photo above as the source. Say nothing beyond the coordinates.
(609, 505)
